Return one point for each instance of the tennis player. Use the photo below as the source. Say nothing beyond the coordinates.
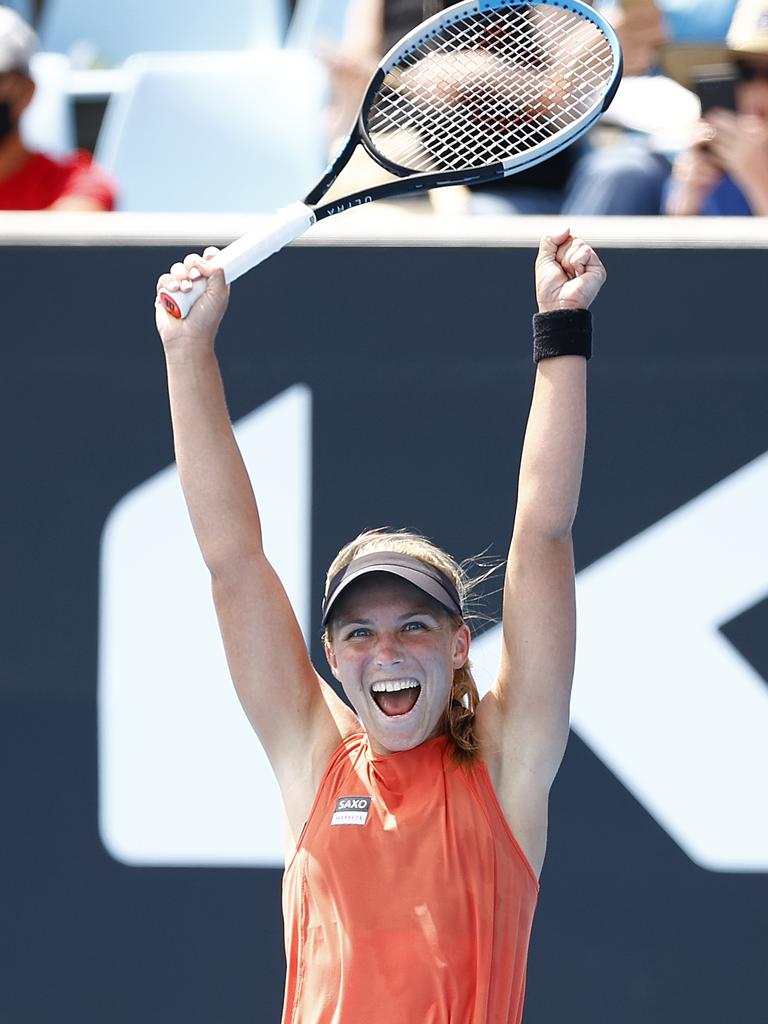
(417, 820)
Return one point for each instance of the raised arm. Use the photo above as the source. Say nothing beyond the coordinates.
(524, 719)
(295, 714)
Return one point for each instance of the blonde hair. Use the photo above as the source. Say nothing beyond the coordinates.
(458, 719)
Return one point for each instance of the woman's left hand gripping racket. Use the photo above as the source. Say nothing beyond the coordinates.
(478, 92)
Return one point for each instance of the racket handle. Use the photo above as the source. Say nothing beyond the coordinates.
(245, 253)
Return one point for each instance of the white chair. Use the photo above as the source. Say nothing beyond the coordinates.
(48, 123)
(216, 132)
(316, 21)
(100, 33)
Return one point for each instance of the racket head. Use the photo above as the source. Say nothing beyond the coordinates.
(487, 88)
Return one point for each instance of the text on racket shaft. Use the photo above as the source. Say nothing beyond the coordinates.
(349, 203)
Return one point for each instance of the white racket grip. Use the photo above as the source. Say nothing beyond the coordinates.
(245, 253)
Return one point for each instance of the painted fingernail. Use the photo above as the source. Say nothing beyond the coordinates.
(185, 285)
(194, 274)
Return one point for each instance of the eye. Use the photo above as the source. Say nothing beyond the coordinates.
(413, 627)
(356, 634)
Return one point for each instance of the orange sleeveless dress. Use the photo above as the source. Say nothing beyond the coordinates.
(408, 900)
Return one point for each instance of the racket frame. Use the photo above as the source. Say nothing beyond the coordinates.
(410, 183)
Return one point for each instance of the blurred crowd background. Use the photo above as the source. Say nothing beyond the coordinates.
(187, 105)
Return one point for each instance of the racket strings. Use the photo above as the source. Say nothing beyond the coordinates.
(480, 102)
(489, 87)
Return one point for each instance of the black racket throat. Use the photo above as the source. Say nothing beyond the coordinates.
(408, 183)
(412, 185)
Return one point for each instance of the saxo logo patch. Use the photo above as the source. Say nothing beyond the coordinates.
(351, 810)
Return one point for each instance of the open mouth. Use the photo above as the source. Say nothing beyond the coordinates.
(396, 697)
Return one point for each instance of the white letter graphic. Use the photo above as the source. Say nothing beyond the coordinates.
(660, 695)
(182, 777)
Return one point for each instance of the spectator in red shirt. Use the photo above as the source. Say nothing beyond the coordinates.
(28, 180)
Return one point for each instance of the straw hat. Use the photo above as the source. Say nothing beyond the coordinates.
(747, 37)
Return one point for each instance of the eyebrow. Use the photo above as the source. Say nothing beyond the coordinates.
(345, 620)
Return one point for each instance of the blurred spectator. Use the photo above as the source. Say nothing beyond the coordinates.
(644, 26)
(642, 31)
(724, 171)
(29, 180)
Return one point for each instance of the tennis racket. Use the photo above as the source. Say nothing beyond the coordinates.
(477, 92)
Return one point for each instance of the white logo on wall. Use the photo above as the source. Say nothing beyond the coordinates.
(660, 695)
(182, 777)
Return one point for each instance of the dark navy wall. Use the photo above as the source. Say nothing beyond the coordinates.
(418, 414)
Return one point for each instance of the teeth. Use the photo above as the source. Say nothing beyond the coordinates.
(396, 684)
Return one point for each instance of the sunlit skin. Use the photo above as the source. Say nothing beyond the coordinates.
(386, 629)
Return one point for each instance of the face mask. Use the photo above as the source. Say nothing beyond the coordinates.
(6, 122)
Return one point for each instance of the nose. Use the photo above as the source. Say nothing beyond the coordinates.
(388, 651)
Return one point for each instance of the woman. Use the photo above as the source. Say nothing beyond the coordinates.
(417, 821)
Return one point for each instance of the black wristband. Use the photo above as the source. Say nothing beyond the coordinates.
(562, 332)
